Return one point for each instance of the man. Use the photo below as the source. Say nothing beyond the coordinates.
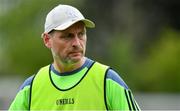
(72, 81)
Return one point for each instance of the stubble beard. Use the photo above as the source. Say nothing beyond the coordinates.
(67, 60)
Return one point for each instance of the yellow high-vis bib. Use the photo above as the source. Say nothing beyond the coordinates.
(87, 94)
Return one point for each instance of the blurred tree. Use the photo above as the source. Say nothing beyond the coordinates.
(160, 70)
(149, 19)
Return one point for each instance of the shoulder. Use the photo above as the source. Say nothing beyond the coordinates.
(115, 78)
(111, 75)
(27, 82)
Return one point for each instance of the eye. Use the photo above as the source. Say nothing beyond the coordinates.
(67, 36)
(81, 34)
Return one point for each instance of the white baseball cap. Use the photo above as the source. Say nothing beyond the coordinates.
(63, 16)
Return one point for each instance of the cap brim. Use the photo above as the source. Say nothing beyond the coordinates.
(88, 23)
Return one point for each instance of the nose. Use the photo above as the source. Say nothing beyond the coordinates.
(76, 41)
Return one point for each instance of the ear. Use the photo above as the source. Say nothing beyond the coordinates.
(47, 40)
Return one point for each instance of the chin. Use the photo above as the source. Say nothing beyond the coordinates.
(76, 59)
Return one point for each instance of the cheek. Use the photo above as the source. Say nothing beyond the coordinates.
(59, 47)
(84, 44)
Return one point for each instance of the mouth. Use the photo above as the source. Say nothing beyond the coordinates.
(75, 53)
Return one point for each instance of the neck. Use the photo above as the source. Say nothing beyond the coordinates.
(60, 67)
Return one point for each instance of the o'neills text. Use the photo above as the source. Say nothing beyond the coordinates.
(65, 101)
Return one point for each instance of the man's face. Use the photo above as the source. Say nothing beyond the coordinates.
(68, 46)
